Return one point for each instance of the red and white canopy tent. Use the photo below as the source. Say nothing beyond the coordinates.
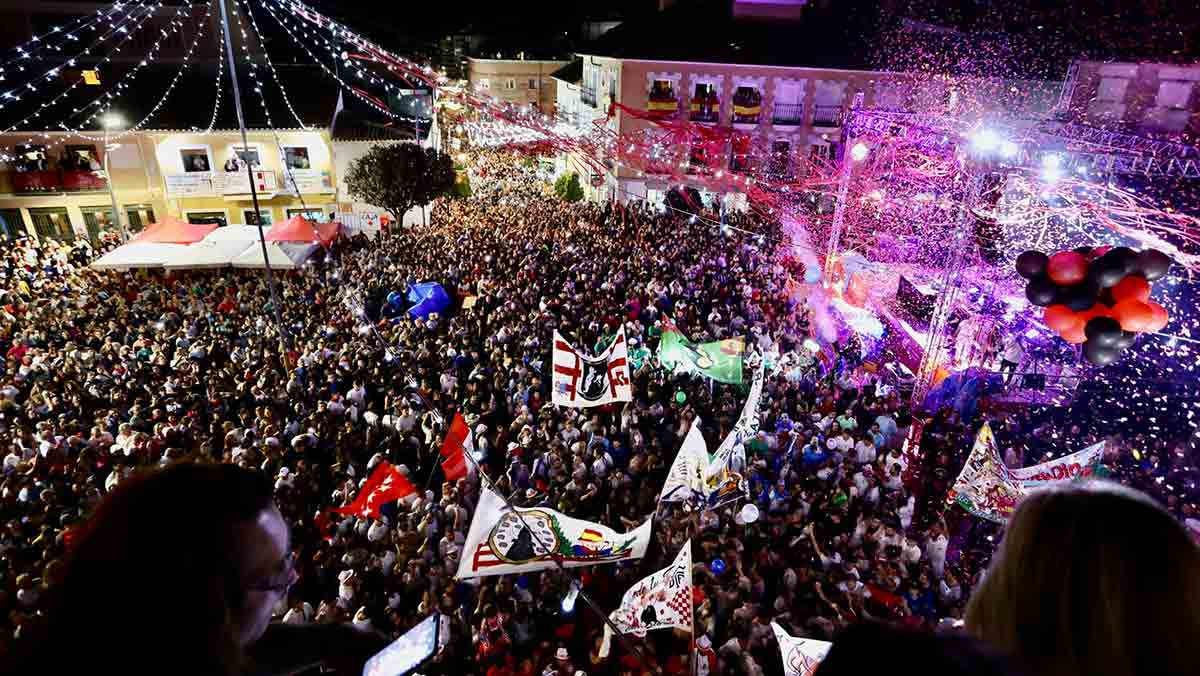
(174, 231)
(300, 229)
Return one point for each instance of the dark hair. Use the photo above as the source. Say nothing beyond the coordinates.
(155, 570)
(873, 648)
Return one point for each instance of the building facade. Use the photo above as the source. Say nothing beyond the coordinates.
(1139, 98)
(516, 81)
(780, 118)
(55, 187)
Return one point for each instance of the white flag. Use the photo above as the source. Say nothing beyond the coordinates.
(800, 655)
(661, 601)
(685, 481)
(499, 542)
(725, 475)
(1077, 465)
(580, 381)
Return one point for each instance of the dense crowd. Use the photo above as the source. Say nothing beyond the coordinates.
(107, 374)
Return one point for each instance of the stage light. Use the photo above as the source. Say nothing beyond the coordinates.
(811, 345)
(1008, 149)
(859, 152)
(985, 140)
(1051, 168)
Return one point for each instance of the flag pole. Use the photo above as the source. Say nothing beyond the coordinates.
(631, 647)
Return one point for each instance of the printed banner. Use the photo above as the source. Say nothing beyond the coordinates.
(800, 655)
(685, 481)
(720, 360)
(580, 381)
(661, 601)
(1078, 465)
(500, 542)
(985, 487)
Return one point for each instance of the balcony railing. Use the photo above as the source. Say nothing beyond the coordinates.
(705, 110)
(747, 112)
(788, 114)
(587, 96)
(662, 108)
(827, 116)
(55, 180)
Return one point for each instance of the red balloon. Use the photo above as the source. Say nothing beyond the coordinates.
(1132, 287)
(1097, 310)
(1067, 268)
(1099, 251)
(1161, 318)
(1061, 318)
(1075, 335)
(1134, 315)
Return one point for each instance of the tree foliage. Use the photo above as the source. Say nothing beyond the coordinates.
(400, 176)
(568, 187)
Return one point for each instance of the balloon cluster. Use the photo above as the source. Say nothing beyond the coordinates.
(1098, 297)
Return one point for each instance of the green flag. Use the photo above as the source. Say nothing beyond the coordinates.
(720, 360)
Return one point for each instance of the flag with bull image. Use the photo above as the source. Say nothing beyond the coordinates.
(504, 540)
(661, 601)
(800, 655)
(719, 360)
(580, 381)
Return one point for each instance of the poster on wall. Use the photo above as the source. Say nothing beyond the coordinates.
(198, 184)
(307, 181)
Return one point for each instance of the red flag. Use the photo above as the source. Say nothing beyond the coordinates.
(454, 449)
(386, 484)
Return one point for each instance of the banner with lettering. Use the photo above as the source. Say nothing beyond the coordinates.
(1078, 465)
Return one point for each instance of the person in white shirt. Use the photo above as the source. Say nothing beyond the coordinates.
(935, 549)
(301, 613)
(864, 451)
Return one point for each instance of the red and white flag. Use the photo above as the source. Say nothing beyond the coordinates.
(458, 443)
(661, 601)
(580, 381)
(385, 484)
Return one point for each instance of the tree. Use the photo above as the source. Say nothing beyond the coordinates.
(400, 176)
(568, 188)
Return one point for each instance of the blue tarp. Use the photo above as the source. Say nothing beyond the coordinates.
(427, 298)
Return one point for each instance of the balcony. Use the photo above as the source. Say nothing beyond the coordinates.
(827, 116)
(788, 114)
(587, 96)
(663, 108)
(55, 181)
(705, 110)
(746, 113)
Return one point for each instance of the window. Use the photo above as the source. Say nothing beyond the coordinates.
(52, 223)
(140, 215)
(705, 106)
(484, 83)
(30, 157)
(780, 162)
(248, 155)
(97, 219)
(1112, 89)
(296, 157)
(202, 217)
(747, 104)
(264, 214)
(314, 215)
(510, 83)
(12, 225)
(195, 159)
(1172, 94)
(80, 158)
(533, 83)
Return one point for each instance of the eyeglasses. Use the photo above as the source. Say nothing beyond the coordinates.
(281, 582)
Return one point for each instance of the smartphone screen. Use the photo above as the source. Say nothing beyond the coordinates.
(407, 652)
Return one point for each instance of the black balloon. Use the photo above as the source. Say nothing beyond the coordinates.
(1107, 271)
(1126, 340)
(1031, 264)
(1084, 250)
(1041, 291)
(1128, 258)
(1078, 297)
(1153, 264)
(1099, 354)
(1104, 331)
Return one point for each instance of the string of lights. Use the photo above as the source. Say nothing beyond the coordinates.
(212, 122)
(129, 77)
(28, 51)
(271, 66)
(353, 90)
(13, 95)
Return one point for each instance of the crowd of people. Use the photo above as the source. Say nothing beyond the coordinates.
(107, 375)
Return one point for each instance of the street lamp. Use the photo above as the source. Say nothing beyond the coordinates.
(111, 121)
